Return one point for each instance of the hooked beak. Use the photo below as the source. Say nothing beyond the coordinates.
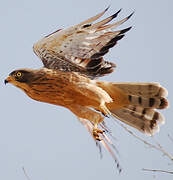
(7, 80)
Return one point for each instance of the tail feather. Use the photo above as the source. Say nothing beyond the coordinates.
(145, 120)
(143, 89)
(137, 104)
(150, 102)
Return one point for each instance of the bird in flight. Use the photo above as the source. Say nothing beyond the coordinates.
(73, 62)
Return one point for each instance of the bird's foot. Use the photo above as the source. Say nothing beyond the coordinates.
(96, 133)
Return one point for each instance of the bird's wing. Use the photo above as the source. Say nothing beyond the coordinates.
(81, 47)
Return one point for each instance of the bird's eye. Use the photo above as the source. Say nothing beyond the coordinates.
(18, 74)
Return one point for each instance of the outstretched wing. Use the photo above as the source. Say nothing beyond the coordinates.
(81, 47)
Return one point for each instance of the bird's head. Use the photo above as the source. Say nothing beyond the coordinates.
(21, 78)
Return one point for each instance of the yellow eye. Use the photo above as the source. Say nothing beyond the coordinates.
(18, 74)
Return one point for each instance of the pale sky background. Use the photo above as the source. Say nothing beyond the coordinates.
(48, 140)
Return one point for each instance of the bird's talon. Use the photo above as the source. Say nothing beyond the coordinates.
(98, 139)
(96, 133)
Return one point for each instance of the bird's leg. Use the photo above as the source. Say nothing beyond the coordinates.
(103, 109)
(94, 117)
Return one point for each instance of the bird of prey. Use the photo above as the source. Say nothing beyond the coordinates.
(73, 61)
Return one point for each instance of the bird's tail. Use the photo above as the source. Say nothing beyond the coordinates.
(135, 104)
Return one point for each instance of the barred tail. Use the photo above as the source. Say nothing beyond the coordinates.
(137, 104)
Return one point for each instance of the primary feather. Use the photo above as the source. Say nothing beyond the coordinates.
(81, 48)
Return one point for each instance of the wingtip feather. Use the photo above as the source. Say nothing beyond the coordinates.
(116, 14)
(94, 18)
(107, 8)
(128, 17)
(125, 30)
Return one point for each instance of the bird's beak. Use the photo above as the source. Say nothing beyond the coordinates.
(7, 80)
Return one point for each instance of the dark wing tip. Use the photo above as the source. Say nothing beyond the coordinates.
(128, 17)
(107, 8)
(125, 30)
(116, 14)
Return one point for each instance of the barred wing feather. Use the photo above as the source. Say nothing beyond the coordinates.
(81, 47)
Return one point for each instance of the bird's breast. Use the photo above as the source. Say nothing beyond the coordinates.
(59, 89)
